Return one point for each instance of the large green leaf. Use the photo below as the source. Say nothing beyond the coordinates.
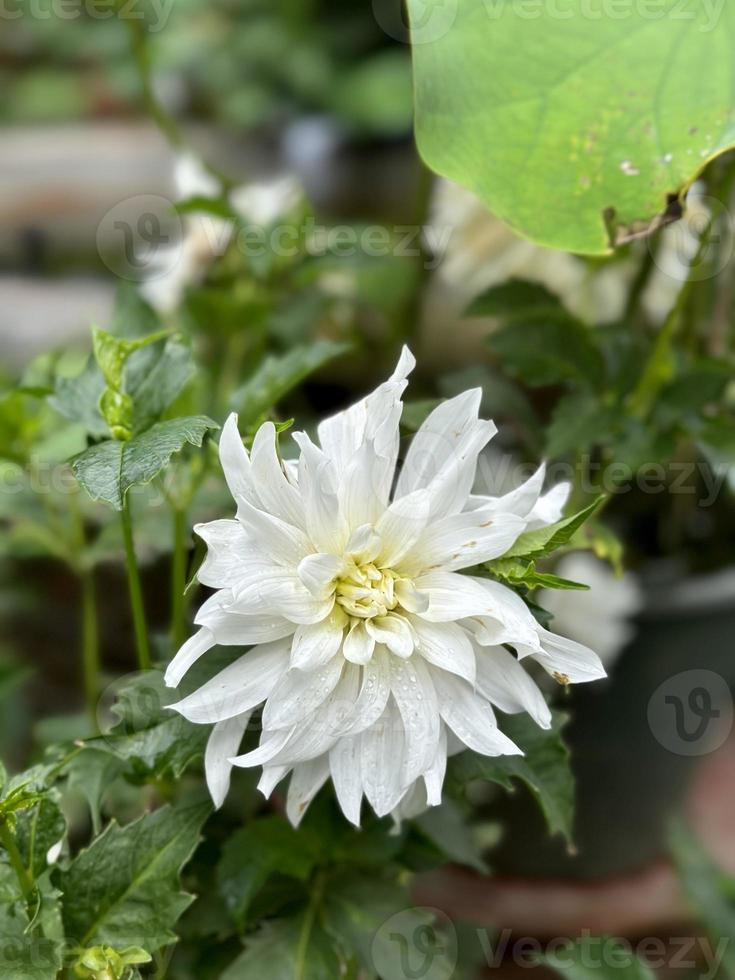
(108, 470)
(573, 121)
(124, 890)
(544, 767)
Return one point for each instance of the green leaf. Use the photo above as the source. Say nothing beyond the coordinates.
(709, 891)
(574, 128)
(545, 540)
(579, 423)
(154, 741)
(91, 773)
(601, 957)
(78, 399)
(517, 572)
(447, 828)
(124, 890)
(286, 949)
(132, 316)
(517, 299)
(544, 768)
(155, 382)
(268, 846)
(376, 920)
(278, 375)
(26, 955)
(38, 830)
(108, 470)
(548, 351)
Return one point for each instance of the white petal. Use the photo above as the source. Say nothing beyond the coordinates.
(414, 693)
(548, 509)
(344, 764)
(451, 487)
(410, 598)
(393, 631)
(299, 693)
(363, 544)
(567, 661)
(342, 434)
(465, 539)
(280, 594)
(227, 560)
(318, 573)
(504, 682)
(273, 537)
(470, 717)
(271, 777)
(434, 775)
(519, 501)
(316, 644)
(318, 489)
(238, 688)
(446, 646)
(401, 525)
(382, 751)
(235, 629)
(374, 692)
(306, 781)
(278, 496)
(236, 464)
(271, 744)
(358, 644)
(194, 648)
(222, 744)
(364, 487)
(437, 440)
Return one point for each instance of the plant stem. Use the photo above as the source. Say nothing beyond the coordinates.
(136, 591)
(90, 629)
(178, 579)
(90, 644)
(21, 872)
(317, 890)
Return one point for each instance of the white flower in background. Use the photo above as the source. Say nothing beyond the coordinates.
(601, 616)
(205, 236)
(373, 656)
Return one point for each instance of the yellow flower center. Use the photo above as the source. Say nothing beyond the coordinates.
(367, 591)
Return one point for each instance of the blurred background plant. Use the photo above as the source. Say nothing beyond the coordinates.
(149, 169)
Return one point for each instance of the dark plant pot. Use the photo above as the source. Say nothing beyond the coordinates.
(635, 750)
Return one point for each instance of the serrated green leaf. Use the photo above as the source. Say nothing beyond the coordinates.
(447, 828)
(108, 470)
(268, 846)
(545, 540)
(78, 399)
(577, 128)
(278, 375)
(91, 772)
(153, 740)
(286, 949)
(124, 890)
(37, 831)
(517, 572)
(544, 768)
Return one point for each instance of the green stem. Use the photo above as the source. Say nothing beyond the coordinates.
(141, 53)
(136, 591)
(21, 872)
(90, 644)
(310, 915)
(178, 579)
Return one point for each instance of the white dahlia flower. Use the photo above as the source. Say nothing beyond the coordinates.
(373, 656)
